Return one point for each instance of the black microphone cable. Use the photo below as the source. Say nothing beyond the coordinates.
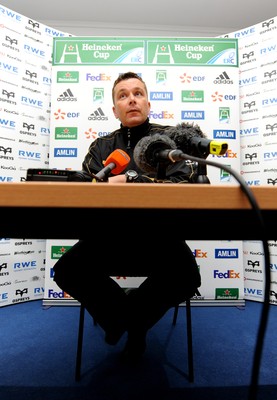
(265, 309)
(147, 156)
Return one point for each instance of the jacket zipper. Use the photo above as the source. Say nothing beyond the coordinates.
(129, 139)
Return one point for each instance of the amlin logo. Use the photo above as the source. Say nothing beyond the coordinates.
(226, 253)
(65, 152)
(161, 96)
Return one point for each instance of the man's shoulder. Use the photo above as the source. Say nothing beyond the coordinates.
(158, 127)
(109, 135)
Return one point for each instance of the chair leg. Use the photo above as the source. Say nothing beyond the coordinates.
(189, 340)
(80, 344)
(175, 315)
(189, 337)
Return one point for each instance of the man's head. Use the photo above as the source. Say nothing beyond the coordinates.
(130, 99)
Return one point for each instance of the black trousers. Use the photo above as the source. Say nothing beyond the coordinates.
(169, 265)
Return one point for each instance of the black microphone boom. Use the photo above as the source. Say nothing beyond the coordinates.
(192, 141)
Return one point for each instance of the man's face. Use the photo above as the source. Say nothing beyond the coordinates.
(131, 105)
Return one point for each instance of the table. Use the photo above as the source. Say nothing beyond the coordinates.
(60, 210)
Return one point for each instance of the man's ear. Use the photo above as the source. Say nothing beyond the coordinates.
(115, 113)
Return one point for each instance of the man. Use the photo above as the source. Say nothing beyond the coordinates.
(167, 262)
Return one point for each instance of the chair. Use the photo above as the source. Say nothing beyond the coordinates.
(175, 315)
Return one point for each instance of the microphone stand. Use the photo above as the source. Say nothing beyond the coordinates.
(202, 173)
(161, 170)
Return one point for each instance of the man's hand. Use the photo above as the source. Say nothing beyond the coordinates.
(117, 179)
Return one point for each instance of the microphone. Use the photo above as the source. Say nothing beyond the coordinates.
(155, 151)
(191, 140)
(116, 162)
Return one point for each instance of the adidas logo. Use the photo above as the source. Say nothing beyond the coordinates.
(67, 96)
(98, 115)
(223, 79)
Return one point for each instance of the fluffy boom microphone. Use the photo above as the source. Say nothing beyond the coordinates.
(153, 151)
(192, 141)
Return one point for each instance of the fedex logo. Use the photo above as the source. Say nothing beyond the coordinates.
(230, 274)
(200, 254)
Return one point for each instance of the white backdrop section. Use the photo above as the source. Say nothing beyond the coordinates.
(258, 137)
(25, 99)
(22, 270)
(199, 86)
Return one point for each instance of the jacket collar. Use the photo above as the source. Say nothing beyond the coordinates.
(136, 133)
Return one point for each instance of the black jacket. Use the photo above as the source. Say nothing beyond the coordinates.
(126, 139)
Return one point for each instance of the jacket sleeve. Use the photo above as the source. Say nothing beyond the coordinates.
(93, 160)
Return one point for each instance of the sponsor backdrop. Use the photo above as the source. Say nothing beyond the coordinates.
(25, 99)
(258, 138)
(195, 80)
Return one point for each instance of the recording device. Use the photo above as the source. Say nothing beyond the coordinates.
(152, 152)
(57, 175)
(116, 162)
(192, 141)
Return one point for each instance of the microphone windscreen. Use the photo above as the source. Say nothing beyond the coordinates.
(182, 135)
(147, 148)
(120, 159)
